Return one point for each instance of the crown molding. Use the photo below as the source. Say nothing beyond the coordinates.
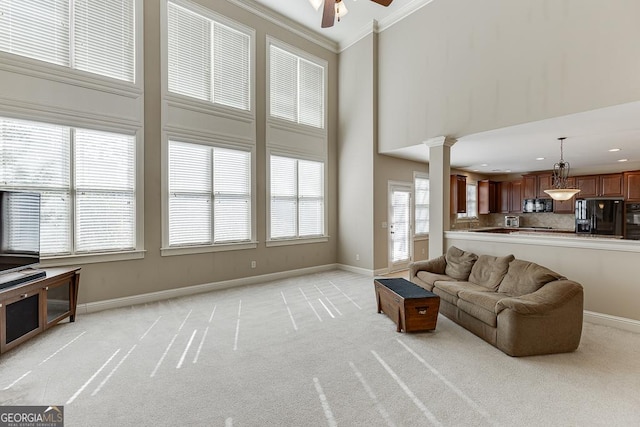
(286, 23)
(383, 24)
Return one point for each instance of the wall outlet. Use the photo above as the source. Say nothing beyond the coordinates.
(357, 257)
(253, 264)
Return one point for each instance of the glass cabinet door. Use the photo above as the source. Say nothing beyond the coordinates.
(58, 301)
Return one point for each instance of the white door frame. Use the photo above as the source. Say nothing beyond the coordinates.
(392, 228)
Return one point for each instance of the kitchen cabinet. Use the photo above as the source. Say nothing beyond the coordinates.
(588, 186)
(609, 185)
(543, 182)
(566, 206)
(487, 197)
(516, 196)
(504, 196)
(458, 194)
(529, 190)
(632, 186)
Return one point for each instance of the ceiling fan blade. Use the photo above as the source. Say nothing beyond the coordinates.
(384, 3)
(328, 13)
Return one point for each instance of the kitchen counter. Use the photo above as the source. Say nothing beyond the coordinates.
(546, 237)
(540, 231)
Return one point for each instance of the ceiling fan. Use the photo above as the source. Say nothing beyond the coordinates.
(336, 8)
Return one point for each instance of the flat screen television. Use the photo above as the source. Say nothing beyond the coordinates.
(19, 232)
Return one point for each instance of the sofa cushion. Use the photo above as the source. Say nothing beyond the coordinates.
(486, 316)
(459, 263)
(431, 278)
(488, 270)
(525, 277)
(448, 291)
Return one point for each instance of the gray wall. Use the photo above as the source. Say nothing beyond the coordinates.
(103, 281)
(355, 154)
(457, 67)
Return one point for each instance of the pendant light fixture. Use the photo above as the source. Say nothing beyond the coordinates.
(560, 179)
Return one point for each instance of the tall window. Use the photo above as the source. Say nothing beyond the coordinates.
(297, 198)
(472, 202)
(421, 186)
(209, 195)
(296, 88)
(206, 59)
(93, 36)
(86, 179)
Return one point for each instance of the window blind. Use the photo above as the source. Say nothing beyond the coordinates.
(96, 209)
(296, 90)
(20, 213)
(104, 34)
(232, 195)
(208, 60)
(189, 194)
(36, 29)
(105, 191)
(89, 35)
(201, 176)
(297, 198)
(36, 156)
(422, 205)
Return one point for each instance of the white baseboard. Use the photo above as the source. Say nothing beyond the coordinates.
(92, 307)
(356, 270)
(614, 321)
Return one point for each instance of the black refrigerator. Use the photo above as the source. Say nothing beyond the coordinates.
(600, 216)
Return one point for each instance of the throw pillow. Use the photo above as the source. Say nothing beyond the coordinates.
(525, 277)
(459, 263)
(488, 270)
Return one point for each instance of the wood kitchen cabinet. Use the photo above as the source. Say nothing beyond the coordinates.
(504, 196)
(458, 194)
(544, 182)
(529, 190)
(632, 186)
(487, 197)
(609, 185)
(588, 186)
(516, 196)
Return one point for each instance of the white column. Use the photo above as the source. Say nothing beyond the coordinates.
(439, 192)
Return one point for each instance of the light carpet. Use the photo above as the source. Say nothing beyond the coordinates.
(310, 351)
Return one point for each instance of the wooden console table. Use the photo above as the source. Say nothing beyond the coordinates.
(32, 307)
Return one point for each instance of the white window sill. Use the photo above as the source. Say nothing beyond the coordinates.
(188, 250)
(58, 261)
(301, 241)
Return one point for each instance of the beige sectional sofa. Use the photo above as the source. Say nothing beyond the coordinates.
(518, 306)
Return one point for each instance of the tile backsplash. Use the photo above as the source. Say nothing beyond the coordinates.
(559, 221)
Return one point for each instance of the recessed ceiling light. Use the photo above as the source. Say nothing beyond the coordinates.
(613, 150)
(507, 170)
(539, 158)
(623, 160)
(476, 170)
(484, 164)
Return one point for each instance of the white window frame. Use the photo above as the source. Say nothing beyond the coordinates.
(167, 249)
(472, 200)
(69, 75)
(295, 240)
(308, 57)
(94, 257)
(195, 104)
(416, 176)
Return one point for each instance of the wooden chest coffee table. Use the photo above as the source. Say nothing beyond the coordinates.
(411, 307)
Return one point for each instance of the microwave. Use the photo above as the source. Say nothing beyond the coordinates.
(537, 205)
